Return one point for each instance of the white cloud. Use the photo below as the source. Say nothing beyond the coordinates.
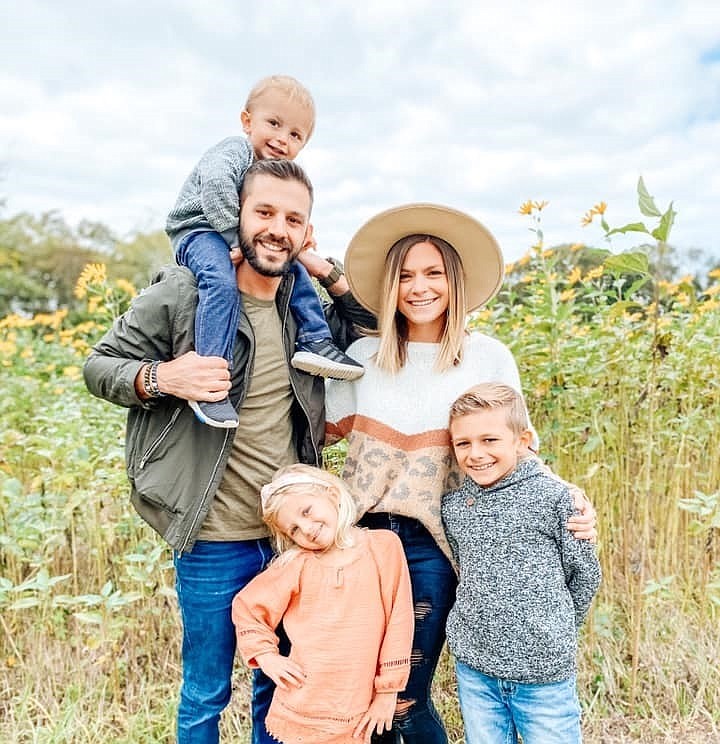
(478, 105)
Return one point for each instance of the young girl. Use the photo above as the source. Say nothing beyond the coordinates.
(343, 596)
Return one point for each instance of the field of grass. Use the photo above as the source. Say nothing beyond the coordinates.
(624, 390)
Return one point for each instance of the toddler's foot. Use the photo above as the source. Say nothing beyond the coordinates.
(221, 415)
(323, 358)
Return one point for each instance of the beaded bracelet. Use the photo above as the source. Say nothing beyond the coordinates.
(150, 381)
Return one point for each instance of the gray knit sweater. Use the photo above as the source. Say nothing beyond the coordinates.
(209, 199)
(525, 583)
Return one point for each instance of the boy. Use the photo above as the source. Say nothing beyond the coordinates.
(525, 584)
(278, 119)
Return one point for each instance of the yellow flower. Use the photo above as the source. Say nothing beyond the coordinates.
(574, 275)
(125, 286)
(93, 273)
(710, 291)
(587, 219)
(526, 207)
(540, 205)
(72, 372)
(566, 295)
(509, 268)
(600, 208)
(524, 260)
(576, 247)
(715, 273)
(594, 273)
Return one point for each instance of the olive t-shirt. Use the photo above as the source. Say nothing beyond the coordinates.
(263, 440)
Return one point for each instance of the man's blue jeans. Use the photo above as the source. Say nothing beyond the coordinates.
(433, 584)
(207, 578)
(207, 255)
(496, 710)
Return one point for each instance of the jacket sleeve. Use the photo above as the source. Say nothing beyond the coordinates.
(579, 561)
(347, 318)
(394, 657)
(258, 608)
(144, 333)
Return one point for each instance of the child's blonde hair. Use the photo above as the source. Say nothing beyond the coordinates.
(299, 479)
(295, 91)
(489, 395)
(392, 324)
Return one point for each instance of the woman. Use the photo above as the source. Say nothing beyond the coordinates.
(420, 268)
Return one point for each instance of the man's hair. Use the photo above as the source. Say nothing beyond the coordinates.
(491, 395)
(294, 90)
(392, 351)
(285, 170)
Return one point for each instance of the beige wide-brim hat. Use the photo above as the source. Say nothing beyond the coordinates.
(479, 251)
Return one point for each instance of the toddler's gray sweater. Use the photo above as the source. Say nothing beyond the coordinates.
(525, 582)
(209, 199)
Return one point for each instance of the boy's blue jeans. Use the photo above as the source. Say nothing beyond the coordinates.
(207, 578)
(207, 255)
(496, 710)
(433, 584)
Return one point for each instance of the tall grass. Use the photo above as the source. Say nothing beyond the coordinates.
(623, 389)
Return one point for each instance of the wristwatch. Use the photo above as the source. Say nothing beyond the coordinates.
(335, 273)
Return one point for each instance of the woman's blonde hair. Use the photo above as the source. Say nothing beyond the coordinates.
(299, 479)
(392, 324)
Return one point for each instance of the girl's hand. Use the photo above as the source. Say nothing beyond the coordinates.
(282, 671)
(582, 525)
(379, 716)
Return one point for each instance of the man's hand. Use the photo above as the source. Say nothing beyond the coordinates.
(282, 671)
(195, 377)
(379, 716)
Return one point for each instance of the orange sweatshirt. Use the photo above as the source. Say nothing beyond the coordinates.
(351, 630)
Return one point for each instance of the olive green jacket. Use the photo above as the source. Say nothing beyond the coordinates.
(175, 463)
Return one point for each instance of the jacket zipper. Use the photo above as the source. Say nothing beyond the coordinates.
(159, 440)
(246, 381)
(292, 384)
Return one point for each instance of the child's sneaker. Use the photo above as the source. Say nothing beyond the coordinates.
(324, 359)
(221, 415)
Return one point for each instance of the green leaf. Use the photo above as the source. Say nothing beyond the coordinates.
(627, 263)
(662, 231)
(24, 603)
(645, 201)
(632, 227)
(89, 618)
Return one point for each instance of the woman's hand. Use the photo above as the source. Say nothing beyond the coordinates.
(379, 716)
(582, 525)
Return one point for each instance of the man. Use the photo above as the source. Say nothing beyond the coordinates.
(197, 486)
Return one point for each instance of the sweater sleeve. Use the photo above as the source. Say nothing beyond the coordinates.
(221, 171)
(258, 608)
(579, 560)
(394, 657)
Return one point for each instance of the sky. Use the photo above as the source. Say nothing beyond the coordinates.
(476, 105)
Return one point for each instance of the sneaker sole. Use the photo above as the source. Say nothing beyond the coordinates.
(208, 421)
(308, 362)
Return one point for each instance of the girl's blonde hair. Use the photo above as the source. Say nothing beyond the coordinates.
(293, 89)
(392, 324)
(299, 479)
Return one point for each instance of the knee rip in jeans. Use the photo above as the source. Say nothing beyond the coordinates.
(422, 609)
(402, 709)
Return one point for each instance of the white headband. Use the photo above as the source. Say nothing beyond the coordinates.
(288, 479)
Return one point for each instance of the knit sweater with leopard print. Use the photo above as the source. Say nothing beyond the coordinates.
(399, 458)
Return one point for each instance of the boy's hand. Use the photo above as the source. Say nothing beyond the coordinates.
(282, 671)
(236, 256)
(379, 716)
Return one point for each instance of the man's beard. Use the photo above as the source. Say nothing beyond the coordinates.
(263, 267)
